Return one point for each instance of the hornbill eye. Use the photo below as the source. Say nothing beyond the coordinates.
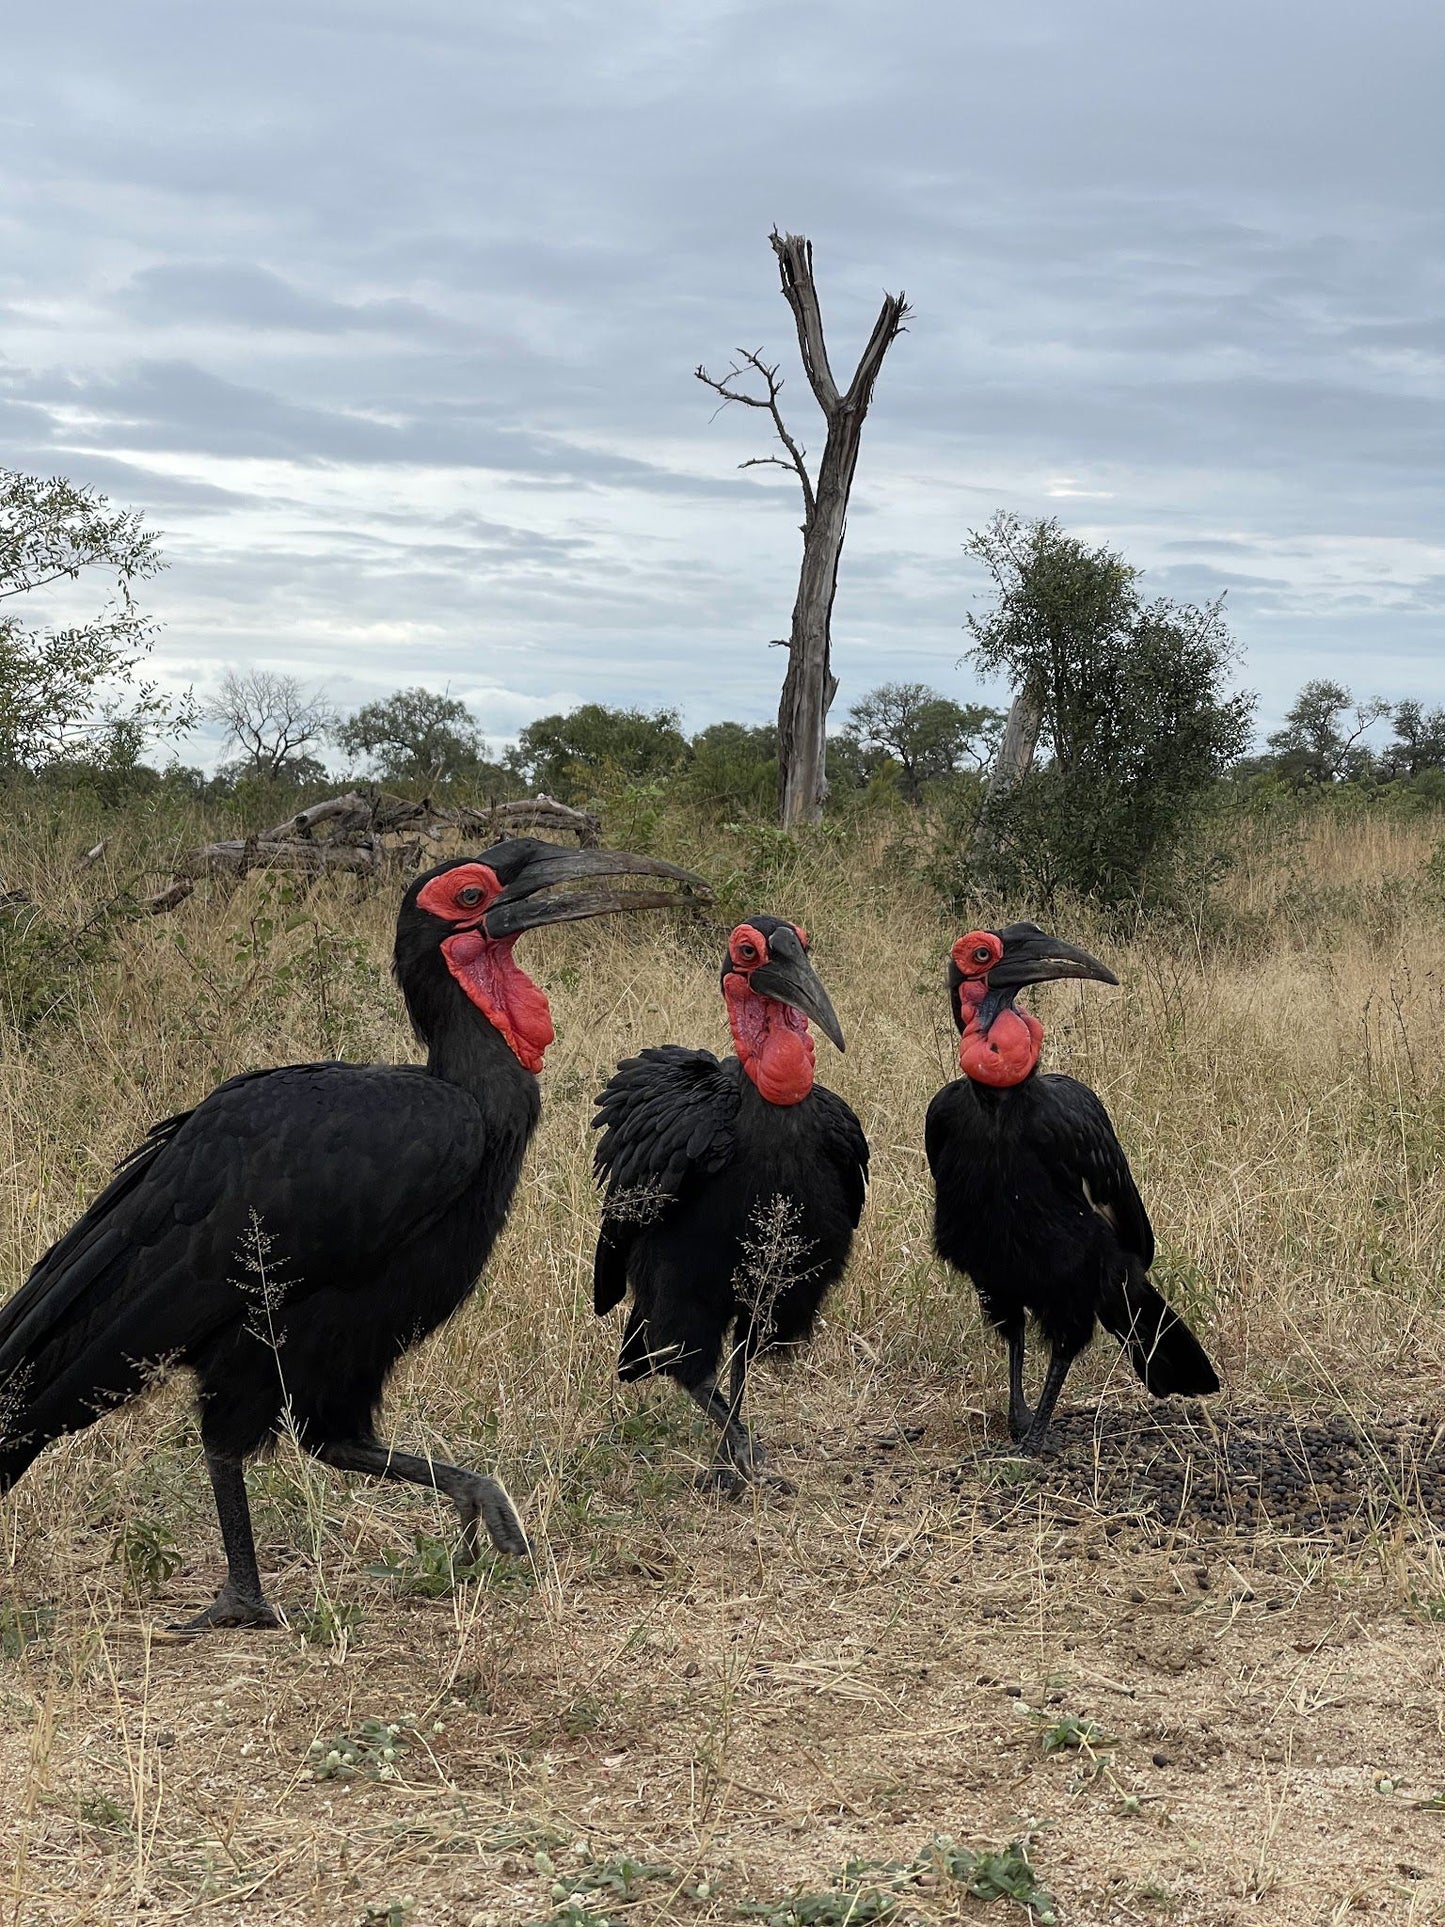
(472, 894)
(747, 952)
(983, 954)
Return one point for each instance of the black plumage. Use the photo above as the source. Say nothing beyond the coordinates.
(295, 1233)
(1034, 1198)
(728, 1214)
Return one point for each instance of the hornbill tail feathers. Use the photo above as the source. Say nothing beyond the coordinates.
(1168, 1358)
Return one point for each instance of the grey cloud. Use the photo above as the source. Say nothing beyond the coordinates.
(242, 295)
(1208, 545)
(179, 408)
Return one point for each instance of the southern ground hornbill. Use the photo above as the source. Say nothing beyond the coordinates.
(1034, 1198)
(302, 1227)
(733, 1188)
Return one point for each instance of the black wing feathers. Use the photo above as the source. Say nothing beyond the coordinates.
(665, 1116)
(1074, 1135)
(841, 1137)
(80, 1256)
(338, 1162)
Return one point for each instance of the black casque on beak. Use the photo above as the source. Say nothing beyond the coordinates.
(790, 979)
(521, 906)
(1032, 956)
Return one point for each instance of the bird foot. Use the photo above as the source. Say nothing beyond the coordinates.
(775, 1483)
(1020, 1423)
(231, 1607)
(734, 1480)
(724, 1478)
(485, 1502)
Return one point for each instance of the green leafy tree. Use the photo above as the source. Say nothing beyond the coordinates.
(1419, 740)
(928, 735)
(571, 756)
(1320, 741)
(416, 736)
(1135, 718)
(69, 692)
(733, 767)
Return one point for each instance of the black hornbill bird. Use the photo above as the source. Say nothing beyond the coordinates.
(733, 1188)
(302, 1227)
(1034, 1196)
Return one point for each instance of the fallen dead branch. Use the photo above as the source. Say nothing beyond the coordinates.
(364, 833)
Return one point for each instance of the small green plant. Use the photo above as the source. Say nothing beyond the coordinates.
(879, 1891)
(327, 1623)
(148, 1555)
(390, 1913)
(98, 1810)
(21, 1626)
(583, 1716)
(431, 1570)
(373, 1750)
(620, 1879)
(1070, 1732)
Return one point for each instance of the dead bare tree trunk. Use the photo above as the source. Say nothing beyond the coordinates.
(810, 686)
(1010, 766)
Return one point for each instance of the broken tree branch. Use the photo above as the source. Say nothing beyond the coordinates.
(795, 265)
(750, 360)
(357, 824)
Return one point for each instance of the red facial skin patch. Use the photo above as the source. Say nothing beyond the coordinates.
(1008, 1051)
(505, 995)
(976, 954)
(771, 1039)
(443, 896)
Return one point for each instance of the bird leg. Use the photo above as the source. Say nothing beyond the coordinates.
(1032, 1442)
(477, 1498)
(1020, 1418)
(240, 1601)
(740, 1453)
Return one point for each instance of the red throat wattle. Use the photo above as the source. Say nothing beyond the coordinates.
(771, 1040)
(503, 992)
(1004, 1054)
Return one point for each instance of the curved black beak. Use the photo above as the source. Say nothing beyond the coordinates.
(521, 906)
(1032, 956)
(789, 978)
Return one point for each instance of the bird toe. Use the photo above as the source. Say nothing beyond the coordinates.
(230, 1609)
(721, 1477)
(488, 1504)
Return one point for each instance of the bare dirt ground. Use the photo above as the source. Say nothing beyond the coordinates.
(746, 1697)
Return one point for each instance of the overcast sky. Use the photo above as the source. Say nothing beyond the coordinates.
(387, 316)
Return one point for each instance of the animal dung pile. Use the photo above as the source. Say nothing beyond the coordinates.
(1248, 1472)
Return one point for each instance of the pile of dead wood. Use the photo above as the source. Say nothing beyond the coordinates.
(368, 833)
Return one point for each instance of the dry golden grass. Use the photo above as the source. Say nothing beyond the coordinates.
(749, 1695)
